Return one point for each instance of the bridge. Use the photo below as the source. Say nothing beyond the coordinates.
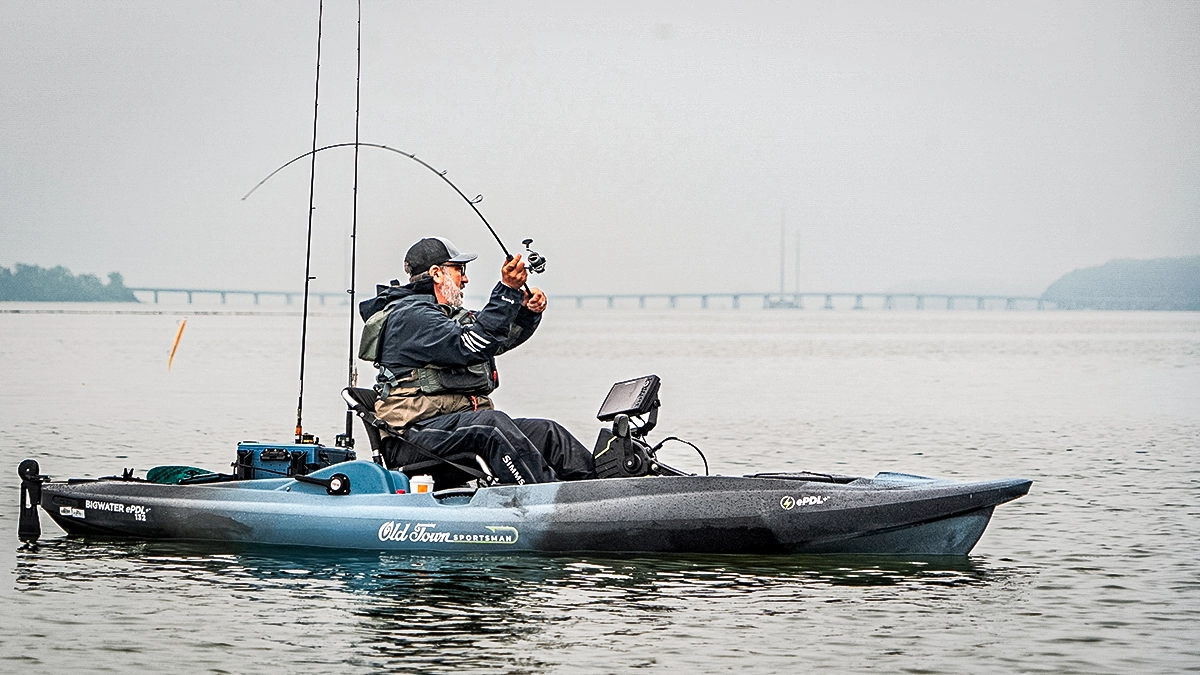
(224, 294)
(823, 299)
(826, 300)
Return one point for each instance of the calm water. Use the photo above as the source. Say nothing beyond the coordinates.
(1096, 570)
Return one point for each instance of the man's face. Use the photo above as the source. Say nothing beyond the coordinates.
(449, 279)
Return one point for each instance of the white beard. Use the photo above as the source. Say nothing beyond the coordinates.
(451, 294)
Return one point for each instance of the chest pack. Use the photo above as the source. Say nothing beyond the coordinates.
(476, 379)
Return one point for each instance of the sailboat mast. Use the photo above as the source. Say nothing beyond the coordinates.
(782, 245)
(797, 270)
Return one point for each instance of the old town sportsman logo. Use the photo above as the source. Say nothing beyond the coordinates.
(427, 533)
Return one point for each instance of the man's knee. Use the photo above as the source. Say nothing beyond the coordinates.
(541, 431)
(536, 423)
(493, 418)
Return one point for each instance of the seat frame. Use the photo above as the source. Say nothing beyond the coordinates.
(453, 469)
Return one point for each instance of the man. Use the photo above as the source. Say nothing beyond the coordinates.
(437, 366)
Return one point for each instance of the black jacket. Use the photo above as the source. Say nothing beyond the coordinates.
(419, 332)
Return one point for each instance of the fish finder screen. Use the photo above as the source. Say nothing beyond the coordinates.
(631, 397)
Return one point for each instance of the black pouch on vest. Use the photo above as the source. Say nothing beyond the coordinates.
(473, 379)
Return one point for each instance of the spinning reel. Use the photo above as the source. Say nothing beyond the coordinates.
(534, 262)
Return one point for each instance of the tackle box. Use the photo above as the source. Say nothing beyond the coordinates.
(276, 460)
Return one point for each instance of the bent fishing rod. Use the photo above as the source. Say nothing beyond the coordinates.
(472, 202)
(535, 262)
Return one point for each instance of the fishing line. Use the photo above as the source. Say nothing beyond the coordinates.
(312, 181)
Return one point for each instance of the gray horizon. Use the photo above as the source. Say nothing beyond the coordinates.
(644, 147)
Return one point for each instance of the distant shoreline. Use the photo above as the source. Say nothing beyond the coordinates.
(163, 312)
(1159, 284)
(31, 283)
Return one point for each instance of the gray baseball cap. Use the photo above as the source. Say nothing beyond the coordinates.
(432, 251)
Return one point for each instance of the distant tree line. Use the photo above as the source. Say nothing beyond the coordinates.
(30, 283)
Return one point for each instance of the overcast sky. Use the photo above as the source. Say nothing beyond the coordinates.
(644, 145)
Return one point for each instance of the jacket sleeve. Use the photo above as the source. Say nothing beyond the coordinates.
(428, 337)
(522, 328)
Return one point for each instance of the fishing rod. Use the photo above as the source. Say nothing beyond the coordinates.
(441, 174)
(312, 181)
(346, 439)
(535, 262)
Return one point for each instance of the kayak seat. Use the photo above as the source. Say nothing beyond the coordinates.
(362, 402)
(447, 472)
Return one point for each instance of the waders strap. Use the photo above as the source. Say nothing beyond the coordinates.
(429, 454)
(388, 381)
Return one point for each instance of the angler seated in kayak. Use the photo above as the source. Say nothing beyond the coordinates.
(437, 366)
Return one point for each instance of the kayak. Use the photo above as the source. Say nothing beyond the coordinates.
(360, 505)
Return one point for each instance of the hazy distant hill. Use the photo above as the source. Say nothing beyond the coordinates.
(30, 283)
(1161, 283)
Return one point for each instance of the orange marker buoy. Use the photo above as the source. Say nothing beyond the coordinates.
(178, 335)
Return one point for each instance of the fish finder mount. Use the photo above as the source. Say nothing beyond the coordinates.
(622, 451)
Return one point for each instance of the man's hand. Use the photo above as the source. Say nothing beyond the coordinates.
(513, 273)
(535, 301)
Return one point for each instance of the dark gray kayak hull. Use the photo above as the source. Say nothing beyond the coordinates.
(888, 514)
